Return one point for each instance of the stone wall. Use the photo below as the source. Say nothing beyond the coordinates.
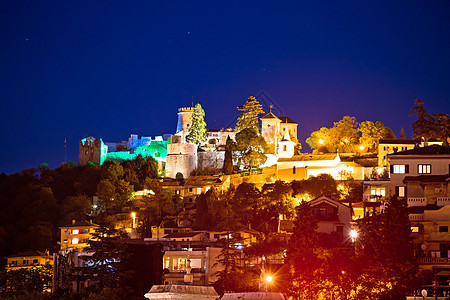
(210, 160)
(181, 158)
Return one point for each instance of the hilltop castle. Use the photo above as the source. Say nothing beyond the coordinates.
(173, 153)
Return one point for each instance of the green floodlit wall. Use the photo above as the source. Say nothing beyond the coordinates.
(156, 149)
(104, 152)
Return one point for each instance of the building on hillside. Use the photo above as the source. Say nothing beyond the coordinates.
(76, 235)
(430, 230)
(386, 147)
(333, 217)
(423, 190)
(430, 160)
(274, 129)
(28, 259)
(303, 166)
(203, 261)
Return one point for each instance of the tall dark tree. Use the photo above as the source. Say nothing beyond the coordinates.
(385, 252)
(248, 119)
(302, 255)
(106, 266)
(424, 126)
(228, 160)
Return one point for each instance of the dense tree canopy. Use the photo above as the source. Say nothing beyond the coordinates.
(427, 126)
(344, 137)
(249, 115)
(197, 132)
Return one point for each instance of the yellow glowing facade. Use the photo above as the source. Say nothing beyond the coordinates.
(77, 235)
(28, 259)
(301, 167)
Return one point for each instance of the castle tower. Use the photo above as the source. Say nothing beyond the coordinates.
(270, 130)
(184, 118)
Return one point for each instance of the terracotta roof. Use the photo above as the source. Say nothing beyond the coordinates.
(429, 150)
(427, 178)
(412, 142)
(309, 157)
(270, 116)
(288, 120)
(30, 253)
(81, 224)
(203, 180)
(182, 234)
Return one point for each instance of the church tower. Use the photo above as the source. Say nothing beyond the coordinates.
(270, 130)
(286, 146)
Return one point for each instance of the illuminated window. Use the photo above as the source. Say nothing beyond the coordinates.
(74, 241)
(424, 169)
(75, 231)
(400, 169)
(179, 264)
(414, 228)
(401, 191)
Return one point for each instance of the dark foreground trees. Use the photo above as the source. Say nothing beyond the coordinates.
(378, 265)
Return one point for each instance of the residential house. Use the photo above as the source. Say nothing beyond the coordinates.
(386, 147)
(76, 235)
(203, 262)
(430, 230)
(28, 259)
(417, 165)
(333, 216)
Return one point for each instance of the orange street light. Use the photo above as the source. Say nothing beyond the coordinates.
(133, 215)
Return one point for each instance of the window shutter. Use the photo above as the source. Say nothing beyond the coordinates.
(392, 169)
(397, 190)
(406, 192)
(406, 169)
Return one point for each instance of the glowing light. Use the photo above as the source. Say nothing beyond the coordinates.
(321, 141)
(346, 140)
(74, 241)
(269, 278)
(75, 231)
(133, 215)
(353, 234)
(361, 147)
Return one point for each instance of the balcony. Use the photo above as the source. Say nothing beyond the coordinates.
(417, 201)
(416, 217)
(442, 201)
(434, 261)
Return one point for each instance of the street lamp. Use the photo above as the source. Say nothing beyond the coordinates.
(353, 234)
(133, 215)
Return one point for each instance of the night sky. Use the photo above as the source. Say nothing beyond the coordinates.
(72, 69)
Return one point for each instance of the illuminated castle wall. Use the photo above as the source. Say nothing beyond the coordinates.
(96, 151)
(92, 150)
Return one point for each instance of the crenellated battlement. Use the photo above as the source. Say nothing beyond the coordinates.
(186, 109)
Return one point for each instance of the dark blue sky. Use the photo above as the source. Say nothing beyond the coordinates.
(108, 69)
